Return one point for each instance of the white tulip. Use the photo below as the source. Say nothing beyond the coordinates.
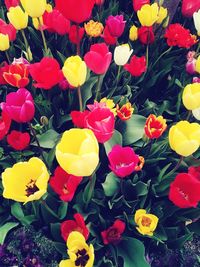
(122, 54)
(196, 113)
(196, 18)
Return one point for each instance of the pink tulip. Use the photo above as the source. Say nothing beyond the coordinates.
(191, 62)
(123, 160)
(116, 25)
(189, 7)
(19, 105)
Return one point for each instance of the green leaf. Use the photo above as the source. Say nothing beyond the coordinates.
(116, 139)
(86, 89)
(47, 139)
(17, 212)
(111, 184)
(133, 253)
(61, 248)
(5, 229)
(55, 231)
(62, 210)
(133, 129)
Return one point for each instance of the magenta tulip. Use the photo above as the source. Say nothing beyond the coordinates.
(116, 25)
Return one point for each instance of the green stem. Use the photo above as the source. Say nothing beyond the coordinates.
(92, 181)
(38, 143)
(43, 37)
(176, 167)
(118, 74)
(80, 99)
(26, 45)
(188, 115)
(198, 48)
(78, 52)
(7, 56)
(49, 209)
(165, 52)
(98, 88)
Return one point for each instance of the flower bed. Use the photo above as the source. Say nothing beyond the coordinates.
(99, 132)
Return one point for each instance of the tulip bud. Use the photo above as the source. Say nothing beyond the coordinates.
(4, 42)
(196, 18)
(18, 18)
(35, 10)
(44, 120)
(146, 35)
(162, 14)
(196, 80)
(122, 54)
(133, 33)
(196, 113)
(197, 66)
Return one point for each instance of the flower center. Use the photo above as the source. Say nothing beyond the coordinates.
(183, 194)
(31, 188)
(82, 258)
(146, 221)
(65, 190)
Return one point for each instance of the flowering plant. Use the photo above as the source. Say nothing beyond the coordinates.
(99, 126)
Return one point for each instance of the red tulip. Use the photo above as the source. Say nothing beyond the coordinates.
(137, 66)
(19, 105)
(8, 29)
(146, 35)
(155, 126)
(18, 140)
(73, 34)
(99, 2)
(108, 38)
(76, 11)
(3, 68)
(116, 25)
(17, 75)
(123, 160)
(74, 225)
(137, 4)
(5, 122)
(195, 172)
(12, 3)
(185, 191)
(78, 118)
(98, 59)
(189, 7)
(56, 22)
(46, 73)
(113, 234)
(64, 184)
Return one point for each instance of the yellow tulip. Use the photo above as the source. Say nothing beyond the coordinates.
(80, 253)
(93, 28)
(146, 222)
(191, 96)
(25, 181)
(17, 17)
(75, 71)
(184, 138)
(109, 104)
(162, 14)
(148, 14)
(133, 33)
(4, 42)
(78, 152)
(35, 9)
(197, 65)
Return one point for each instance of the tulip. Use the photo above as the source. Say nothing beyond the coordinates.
(74, 36)
(146, 35)
(112, 235)
(8, 29)
(123, 160)
(108, 103)
(78, 251)
(78, 152)
(137, 4)
(133, 33)
(17, 75)
(18, 140)
(116, 25)
(148, 14)
(162, 14)
(3, 68)
(35, 10)
(78, 224)
(189, 7)
(122, 54)
(137, 66)
(191, 62)
(5, 122)
(75, 71)
(125, 112)
(185, 191)
(155, 126)
(191, 96)
(4, 42)
(98, 59)
(93, 28)
(99, 2)
(196, 113)
(11, 3)
(25, 181)
(146, 222)
(19, 105)
(196, 18)
(108, 38)
(195, 172)
(196, 79)
(76, 11)
(18, 18)
(64, 184)
(197, 66)
(184, 138)
(46, 73)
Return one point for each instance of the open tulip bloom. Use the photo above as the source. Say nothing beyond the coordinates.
(99, 132)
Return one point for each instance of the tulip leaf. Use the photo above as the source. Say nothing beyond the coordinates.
(47, 139)
(17, 212)
(116, 139)
(4, 229)
(111, 184)
(86, 89)
(133, 253)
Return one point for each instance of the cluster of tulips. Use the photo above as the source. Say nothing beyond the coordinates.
(78, 148)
